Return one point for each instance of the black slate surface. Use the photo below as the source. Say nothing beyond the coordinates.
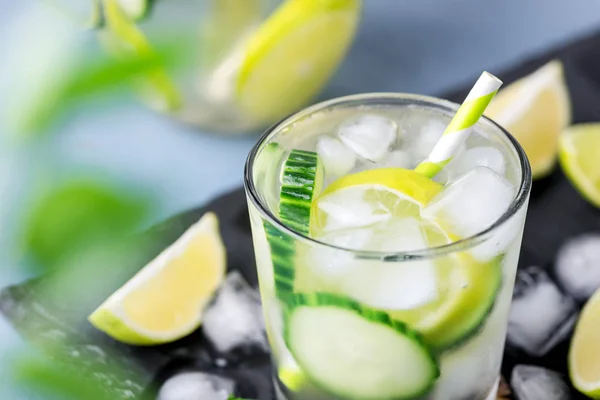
(556, 213)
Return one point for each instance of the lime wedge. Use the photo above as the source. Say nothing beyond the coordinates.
(293, 54)
(164, 301)
(578, 155)
(126, 39)
(584, 353)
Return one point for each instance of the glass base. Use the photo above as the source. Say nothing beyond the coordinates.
(280, 393)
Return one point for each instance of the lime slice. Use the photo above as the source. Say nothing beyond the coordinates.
(465, 290)
(163, 302)
(535, 109)
(578, 155)
(126, 39)
(584, 353)
(293, 54)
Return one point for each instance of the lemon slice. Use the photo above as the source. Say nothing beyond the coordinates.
(535, 109)
(584, 353)
(293, 54)
(164, 301)
(578, 155)
(376, 194)
(123, 38)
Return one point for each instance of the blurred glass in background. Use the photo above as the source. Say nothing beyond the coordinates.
(252, 62)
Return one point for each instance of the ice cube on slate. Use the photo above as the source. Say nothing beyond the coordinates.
(473, 203)
(484, 156)
(578, 266)
(541, 316)
(369, 136)
(337, 158)
(234, 318)
(196, 386)
(530, 382)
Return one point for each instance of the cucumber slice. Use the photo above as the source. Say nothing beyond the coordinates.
(301, 179)
(136, 9)
(467, 298)
(282, 256)
(355, 352)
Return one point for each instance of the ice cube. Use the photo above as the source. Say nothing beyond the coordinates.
(195, 386)
(330, 264)
(234, 319)
(393, 285)
(471, 204)
(337, 158)
(484, 156)
(536, 383)
(421, 145)
(395, 159)
(578, 266)
(541, 316)
(369, 136)
(350, 208)
(501, 238)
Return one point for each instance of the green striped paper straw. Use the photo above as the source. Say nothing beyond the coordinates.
(459, 128)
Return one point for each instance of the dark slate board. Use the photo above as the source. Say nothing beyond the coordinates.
(556, 213)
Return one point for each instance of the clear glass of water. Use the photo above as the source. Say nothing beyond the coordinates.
(390, 307)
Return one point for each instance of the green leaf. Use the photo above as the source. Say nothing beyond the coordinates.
(101, 75)
(51, 378)
(78, 215)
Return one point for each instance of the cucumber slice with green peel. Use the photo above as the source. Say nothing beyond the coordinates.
(466, 298)
(301, 179)
(282, 256)
(355, 352)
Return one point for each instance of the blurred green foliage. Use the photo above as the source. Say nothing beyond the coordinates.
(94, 77)
(78, 215)
(83, 234)
(53, 379)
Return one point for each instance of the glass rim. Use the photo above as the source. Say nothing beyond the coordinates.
(463, 244)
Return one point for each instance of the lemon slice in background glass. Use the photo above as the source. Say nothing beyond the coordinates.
(293, 54)
(123, 38)
(535, 110)
(584, 353)
(579, 158)
(164, 301)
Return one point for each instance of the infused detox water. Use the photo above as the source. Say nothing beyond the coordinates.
(377, 282)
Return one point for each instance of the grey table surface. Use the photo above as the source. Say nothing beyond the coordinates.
(420, 46)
